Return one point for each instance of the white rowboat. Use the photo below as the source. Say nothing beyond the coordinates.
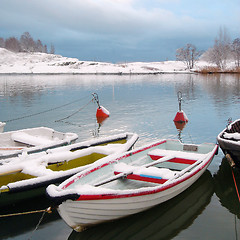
(129, 183)
(32, 140)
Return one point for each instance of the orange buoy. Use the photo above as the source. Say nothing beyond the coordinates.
(102, 112)
(100, 120)
(180, 116)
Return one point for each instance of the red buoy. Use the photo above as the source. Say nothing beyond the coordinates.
(102, 112)
(180, 116)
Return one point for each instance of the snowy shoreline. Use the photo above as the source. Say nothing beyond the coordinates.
(104, 73)
(49, 64)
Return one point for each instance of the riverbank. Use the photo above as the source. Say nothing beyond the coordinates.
(42, 63)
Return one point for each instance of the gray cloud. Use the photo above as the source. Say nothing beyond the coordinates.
(119, 25)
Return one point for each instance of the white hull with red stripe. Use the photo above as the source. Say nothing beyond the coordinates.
(154, 174)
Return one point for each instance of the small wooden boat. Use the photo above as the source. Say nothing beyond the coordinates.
(131, 182)
(164, 221)
(229, 140)
(31, 174)
(32, 140)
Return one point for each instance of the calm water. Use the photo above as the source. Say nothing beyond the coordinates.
(146, 105)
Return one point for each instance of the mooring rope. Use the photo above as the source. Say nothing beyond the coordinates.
(60, 120)
(45, 111)
(39, 222)
(235, 185)
(44, 211)
(48, 210)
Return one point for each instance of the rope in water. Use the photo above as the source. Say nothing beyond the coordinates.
(48, 210)
(45, 111)
(39, 222)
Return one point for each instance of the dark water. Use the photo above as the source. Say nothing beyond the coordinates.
(147, 105)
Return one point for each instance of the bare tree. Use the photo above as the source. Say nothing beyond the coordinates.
(52, 50)
(12, 44)
(27, 42)
(39, 46)
(221, 50)
(188, 55)
(236, 51)
(2, 43)
(45, 50)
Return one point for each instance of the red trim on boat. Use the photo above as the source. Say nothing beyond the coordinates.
(156, 190)
(112, 161)
(174, 160)
(144, 178)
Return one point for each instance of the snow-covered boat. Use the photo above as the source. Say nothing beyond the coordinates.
(131, 182)
(229, 140)
(33, 173)
(164, 221)
(32, 140)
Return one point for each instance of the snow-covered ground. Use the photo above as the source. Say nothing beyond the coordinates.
(42, 63)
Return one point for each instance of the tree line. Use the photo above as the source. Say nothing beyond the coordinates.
(25, 44)
(223, 50)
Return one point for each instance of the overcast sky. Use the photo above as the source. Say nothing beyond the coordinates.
(120, 30)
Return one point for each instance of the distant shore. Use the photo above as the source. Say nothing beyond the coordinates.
(49, 64)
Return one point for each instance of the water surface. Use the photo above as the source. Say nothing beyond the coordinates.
(147, 106)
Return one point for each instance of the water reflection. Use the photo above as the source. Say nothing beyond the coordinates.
(145, 105)
(161, 222)
(226, 189)
(224, 88)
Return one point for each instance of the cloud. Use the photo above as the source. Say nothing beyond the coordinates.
(98, 17)
(124, 24)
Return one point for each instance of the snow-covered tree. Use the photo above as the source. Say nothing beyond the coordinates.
(45, 50)
(2, 42)
(27, 42)
(236, 51)
(52, 49)
(12, 44)
(188, 55)
(221, 50)
(39, 46)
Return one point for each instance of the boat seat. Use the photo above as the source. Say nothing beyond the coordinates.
(180, 156)
(235, 127)
(28, 139)
(150, 174)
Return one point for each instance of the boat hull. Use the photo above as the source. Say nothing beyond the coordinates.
(231, 148)
(230, 145)
(79, 214)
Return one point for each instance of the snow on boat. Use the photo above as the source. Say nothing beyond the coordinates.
(229, 140)
(33, 173)
(164, 221)
(130, 183)
(32, 140)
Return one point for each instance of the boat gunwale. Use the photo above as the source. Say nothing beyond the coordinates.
(226, 140)
(153, 190)
(60, 176)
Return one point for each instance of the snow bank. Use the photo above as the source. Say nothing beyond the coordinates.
(42, 63)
